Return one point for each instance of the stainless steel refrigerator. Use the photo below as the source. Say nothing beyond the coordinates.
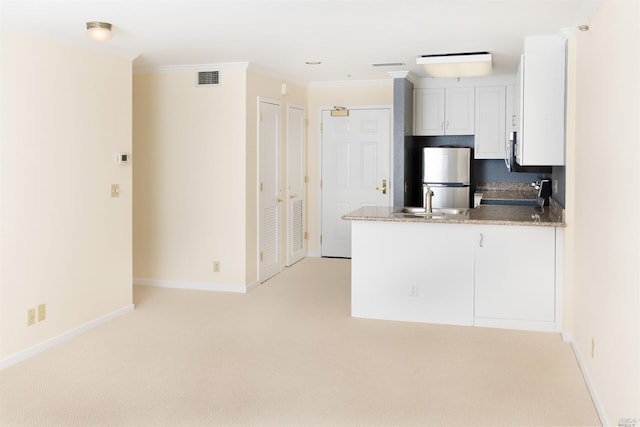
(446, 170)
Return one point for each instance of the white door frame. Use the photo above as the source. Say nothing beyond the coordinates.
(321, 110)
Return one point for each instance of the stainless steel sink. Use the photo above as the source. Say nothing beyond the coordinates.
(437, 212)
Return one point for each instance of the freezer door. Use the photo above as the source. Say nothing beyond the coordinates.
(448, 197)
(446, 165)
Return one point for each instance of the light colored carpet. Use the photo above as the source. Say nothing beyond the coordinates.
(289, 354)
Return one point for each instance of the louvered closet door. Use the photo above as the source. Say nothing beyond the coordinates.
(296, 170)
(271, 195)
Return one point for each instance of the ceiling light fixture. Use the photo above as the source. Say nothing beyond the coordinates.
(99, 31)
(472, 64)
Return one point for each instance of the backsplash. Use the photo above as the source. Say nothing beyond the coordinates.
(482, 171)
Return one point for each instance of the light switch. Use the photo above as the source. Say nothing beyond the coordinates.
(115, 190)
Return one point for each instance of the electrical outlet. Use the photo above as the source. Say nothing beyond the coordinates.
(42, 312)
(216, 266)
(31, 316)
(115, 190)
(413, 290)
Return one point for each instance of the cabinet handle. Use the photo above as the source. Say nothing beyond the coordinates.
(481, 240)
(442, 125)
(447, 124)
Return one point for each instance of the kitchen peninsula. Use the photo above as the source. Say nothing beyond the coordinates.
(495, 266)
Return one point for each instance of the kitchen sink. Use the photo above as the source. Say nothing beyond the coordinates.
(437, 212)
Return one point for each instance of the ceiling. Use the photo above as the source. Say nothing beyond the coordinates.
(279, 36)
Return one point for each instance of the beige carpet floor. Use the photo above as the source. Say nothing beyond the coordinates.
(289, 354)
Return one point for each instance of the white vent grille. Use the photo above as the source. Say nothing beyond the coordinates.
(297, 242)
(208, 78)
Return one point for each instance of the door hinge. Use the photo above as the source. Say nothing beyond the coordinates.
(320, 183)
(261, 256)
(261, 187)
(306, 179)
(306, 123)
(261, 117)
(306, 235)
(321, 239)
(321, 127)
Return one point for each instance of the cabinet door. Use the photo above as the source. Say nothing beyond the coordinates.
(459, 111)
(543, 102)
(490, 129)
(515, 273)
(429, 112)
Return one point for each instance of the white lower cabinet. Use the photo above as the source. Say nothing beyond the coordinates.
(514, 277)
(459, 274)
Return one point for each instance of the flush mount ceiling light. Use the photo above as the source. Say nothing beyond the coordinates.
(472, 64)
(99, 31)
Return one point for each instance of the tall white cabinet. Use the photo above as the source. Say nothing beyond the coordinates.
(540, 102)
(490, 122)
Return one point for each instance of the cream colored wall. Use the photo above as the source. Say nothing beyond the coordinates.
(64, 114)
(190, 178)
(259, 85)
(604, 229)
(320, 96)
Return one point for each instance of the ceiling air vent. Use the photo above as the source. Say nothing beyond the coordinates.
(208, 78)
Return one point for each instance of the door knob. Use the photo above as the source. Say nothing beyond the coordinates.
(293, 196)
(384, 187)
(279, 200)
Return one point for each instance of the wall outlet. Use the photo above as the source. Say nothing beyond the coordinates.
(42, 312)
(31, 316)
(115, 190)
(216, 266)
(413, 290)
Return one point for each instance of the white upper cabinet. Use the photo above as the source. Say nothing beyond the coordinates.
(444, 111)
(490, 122)
(541, 108)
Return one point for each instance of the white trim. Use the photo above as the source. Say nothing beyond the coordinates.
(514, 324)
(196, 286)
(168, 69)
(377, 82)
(604, 420)
(66, 336)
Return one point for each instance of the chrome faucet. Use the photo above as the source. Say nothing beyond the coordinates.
(428, 194)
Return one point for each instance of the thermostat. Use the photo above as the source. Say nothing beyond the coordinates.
(123, 158)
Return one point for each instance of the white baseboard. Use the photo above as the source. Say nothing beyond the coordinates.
(198, 286)
(52, 342)
(604, 420)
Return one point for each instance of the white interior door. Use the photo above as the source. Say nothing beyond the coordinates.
(355, 162)
(270, 191)
(296, 189)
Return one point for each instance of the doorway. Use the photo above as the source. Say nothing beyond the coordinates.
(356, 166)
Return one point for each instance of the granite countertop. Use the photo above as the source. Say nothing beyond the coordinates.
(546, 216)
(484, 214)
